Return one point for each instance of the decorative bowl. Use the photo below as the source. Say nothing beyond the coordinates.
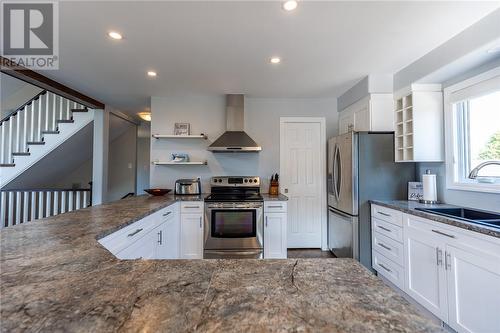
(157, 192)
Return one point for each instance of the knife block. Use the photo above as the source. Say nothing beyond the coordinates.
(274, 188)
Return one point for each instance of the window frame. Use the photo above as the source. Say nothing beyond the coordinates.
(454, 152)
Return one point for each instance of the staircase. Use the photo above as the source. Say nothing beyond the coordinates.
(35, 129)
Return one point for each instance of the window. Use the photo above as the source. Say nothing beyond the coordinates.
(472, 111)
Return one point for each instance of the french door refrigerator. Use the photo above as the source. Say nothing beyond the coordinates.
(361, 167)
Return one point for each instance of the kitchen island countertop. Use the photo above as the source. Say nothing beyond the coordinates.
(55, 276)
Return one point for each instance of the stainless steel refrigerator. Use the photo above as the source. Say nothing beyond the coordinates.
(361, 167)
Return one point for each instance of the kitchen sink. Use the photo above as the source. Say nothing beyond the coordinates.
(466, 214)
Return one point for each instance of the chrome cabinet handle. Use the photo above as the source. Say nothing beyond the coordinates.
(447, 260)
(385, 214)
(266, 221)
(387, 269)
(191, 206)
(160, 237)
(385, 246)
(385, 229)
(442, 233)
(439, 256)
(167, 213)
(200, 222)
(274, 206)
(134, 233)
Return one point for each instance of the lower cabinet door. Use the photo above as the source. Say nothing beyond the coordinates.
(473, 290)
(191, 236)
(425, 276)
(143, 248)
(275, 244)
(168, 238)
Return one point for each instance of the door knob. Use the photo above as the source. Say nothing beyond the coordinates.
(286, 190)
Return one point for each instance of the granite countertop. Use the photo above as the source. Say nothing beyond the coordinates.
(410, 208)
(279, 197)
(55, 277)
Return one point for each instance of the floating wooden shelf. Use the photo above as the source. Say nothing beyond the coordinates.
(180, 163)
(171, 136)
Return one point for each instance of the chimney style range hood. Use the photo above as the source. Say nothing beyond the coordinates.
(235, 139)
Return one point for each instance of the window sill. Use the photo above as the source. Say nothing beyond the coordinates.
(475, 187)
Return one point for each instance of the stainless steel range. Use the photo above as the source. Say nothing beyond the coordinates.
(234, 220)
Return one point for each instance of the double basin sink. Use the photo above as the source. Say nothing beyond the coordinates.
(480, 217)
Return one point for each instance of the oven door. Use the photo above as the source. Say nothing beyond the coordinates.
(233, 226)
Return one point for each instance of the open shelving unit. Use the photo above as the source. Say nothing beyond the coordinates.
(172, 136)
(180, 163)
(418, 124)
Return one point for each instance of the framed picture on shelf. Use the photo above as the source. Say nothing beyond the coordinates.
(181, 129)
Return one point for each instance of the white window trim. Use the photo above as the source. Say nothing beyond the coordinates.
(451, 153)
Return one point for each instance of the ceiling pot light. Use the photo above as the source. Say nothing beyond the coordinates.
(145, 116)
(290, 5)
(275, 60)
(115, 35)
(152, 73)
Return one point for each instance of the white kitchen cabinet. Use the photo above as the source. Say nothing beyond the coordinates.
(473, 289)
(192, 236)
(418, 124)
(275, 230)
(425, 272)
(453, 272)
(372, 113)
(143, 248)
(168, 236)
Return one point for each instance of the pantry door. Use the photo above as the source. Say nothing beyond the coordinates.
(303, 180)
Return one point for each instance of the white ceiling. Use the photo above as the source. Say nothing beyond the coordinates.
(223, 47)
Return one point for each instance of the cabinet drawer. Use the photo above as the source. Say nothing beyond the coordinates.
(275, 207)
(192, 207)
(129, 234)
(388, 247)
(387, 229)
(388, 269)
(388, 215)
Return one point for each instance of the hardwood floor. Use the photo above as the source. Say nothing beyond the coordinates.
(309, 253)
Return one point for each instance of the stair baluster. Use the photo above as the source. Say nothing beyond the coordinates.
(54, 111)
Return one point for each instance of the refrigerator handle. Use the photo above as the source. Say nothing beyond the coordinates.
(334, 175)
(339, 167)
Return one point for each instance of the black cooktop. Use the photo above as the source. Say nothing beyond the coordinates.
(231, 197)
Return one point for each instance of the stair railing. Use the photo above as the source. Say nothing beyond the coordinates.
(29, 123)
(19, 206)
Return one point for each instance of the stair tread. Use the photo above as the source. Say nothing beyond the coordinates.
(35, 143)
(50, 132)
(65, 121)
(80, 110)
(8, 165)
(21, 153)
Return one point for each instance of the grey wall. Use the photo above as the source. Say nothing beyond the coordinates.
(122, 162)
(207, 114)
(143, 154)
(14, 93)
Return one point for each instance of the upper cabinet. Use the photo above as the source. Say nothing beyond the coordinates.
(372, 113)
(418, 124)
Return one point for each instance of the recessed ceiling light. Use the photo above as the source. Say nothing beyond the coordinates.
(275, 60)
(115, 35)
(494, 49)
(145, 116)
(152, 73)
(290, 5)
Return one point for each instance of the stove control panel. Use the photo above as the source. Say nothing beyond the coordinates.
(235, 181)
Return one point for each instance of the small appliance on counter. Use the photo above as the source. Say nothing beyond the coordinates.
(188, 186)
(274, 185)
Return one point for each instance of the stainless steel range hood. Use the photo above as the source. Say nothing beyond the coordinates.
(234, 139)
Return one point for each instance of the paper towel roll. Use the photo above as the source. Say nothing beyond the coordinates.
(429, 184)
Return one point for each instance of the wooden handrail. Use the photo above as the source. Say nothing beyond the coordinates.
(39, 80)
(14, 112)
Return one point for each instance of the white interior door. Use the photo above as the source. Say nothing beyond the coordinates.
(303, 180)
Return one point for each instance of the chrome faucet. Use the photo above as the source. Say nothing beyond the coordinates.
(474, 172)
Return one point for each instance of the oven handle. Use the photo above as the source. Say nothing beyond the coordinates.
(246, 252)
(234, 207)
